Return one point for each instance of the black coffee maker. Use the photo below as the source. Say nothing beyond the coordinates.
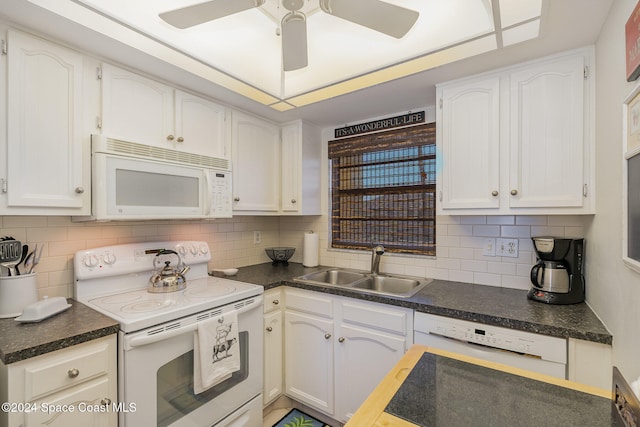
(557, 277)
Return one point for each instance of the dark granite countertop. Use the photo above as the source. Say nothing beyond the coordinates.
(441, 391)
(78, 324)
(490, 305)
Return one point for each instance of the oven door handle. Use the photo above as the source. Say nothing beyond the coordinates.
(141, 340)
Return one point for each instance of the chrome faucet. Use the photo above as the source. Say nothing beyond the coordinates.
(376, 253)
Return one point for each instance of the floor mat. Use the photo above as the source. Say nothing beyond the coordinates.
(297, 418)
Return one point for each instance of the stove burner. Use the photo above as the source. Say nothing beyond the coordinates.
(146, 306)
(120, 298)
(217, 289)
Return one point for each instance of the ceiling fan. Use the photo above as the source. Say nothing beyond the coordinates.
(377, 15)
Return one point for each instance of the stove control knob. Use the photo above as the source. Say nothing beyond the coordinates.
(204, 249)
(193, 250)
(182, 251)
(90, 260)
(109, 258)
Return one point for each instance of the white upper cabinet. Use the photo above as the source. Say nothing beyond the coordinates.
(519, 140)
(301, 155)
(201, 126)
(469, 126)
(142, 110)
(256, 165)
(46, 170)
(546, 136)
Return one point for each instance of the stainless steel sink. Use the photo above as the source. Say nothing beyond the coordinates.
(389, 285)
(398, 286)
(333, 277)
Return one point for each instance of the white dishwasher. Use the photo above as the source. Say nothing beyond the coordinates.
(534, 352)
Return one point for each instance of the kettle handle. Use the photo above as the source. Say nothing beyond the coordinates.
(534, 274)
(165, 252)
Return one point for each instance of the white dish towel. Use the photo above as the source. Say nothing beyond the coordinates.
(216, 351)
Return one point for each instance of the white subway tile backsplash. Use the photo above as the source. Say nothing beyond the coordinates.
(501, 219)
(460, 240)
(515, 231)
(486, 230)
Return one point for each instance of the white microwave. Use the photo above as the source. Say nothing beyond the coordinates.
(138, 181)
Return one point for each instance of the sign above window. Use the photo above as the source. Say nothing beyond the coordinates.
(409, 119)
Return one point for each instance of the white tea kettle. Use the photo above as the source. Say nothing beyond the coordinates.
(168, 279)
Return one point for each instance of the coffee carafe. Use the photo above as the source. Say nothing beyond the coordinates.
(557, 276)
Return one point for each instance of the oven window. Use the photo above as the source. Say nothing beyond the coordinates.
(175, 385)
(138, 188)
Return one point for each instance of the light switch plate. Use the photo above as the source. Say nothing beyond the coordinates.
(507, 247)
(489, 247)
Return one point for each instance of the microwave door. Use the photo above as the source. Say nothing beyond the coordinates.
(135, 188)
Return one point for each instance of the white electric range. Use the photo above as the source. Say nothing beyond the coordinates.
(156, 338)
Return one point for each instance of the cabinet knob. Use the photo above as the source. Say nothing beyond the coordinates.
(341, 339)
(293, 201)
(180, 139)
(105, 402)
(327, 336)
(170, 137)
(236, 199)
(276, 301)
(269, 329)
(494, 193)
(79, 190)
(73, 373)
(514, 192)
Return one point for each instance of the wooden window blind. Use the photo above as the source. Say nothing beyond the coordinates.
(383, 190)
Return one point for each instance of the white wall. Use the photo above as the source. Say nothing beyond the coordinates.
(614, 289)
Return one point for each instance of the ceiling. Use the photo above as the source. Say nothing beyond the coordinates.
(69, 21)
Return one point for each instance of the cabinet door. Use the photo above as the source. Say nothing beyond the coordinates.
(291, 167)
(91, 402)
(309, 360)
(272, 356)
(469, 140)
(45, 151)
(547, 134)
(201, 126)
(363, 357)
(136, 109)
(256, 164)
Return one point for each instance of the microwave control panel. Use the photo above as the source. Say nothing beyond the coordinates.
(220, 187)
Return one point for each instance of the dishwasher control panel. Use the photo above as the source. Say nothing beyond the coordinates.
(542, 346)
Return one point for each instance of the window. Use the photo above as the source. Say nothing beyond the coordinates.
(383, 190)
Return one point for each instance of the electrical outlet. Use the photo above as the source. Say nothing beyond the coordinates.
(257, 237)
(507, 247)
(489, 248)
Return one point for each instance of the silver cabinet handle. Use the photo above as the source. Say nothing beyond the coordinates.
(269, 329)
(293, 201)
(327, 336)
(73, 373)
(514, 192)
(180, 139)
(79, 190)
(341, 339)
(276, 302)
(494, 193)
(170, 137)
(105, 402)
(236, 199)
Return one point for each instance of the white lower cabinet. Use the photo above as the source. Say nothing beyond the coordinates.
(337, 349)
(75, 386)
(273, 346)
(590, 363)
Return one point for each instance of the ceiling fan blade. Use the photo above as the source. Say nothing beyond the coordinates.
(208, 11)
(387, 18)
(294, 41)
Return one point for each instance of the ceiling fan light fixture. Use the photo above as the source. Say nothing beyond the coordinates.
(294, 41)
